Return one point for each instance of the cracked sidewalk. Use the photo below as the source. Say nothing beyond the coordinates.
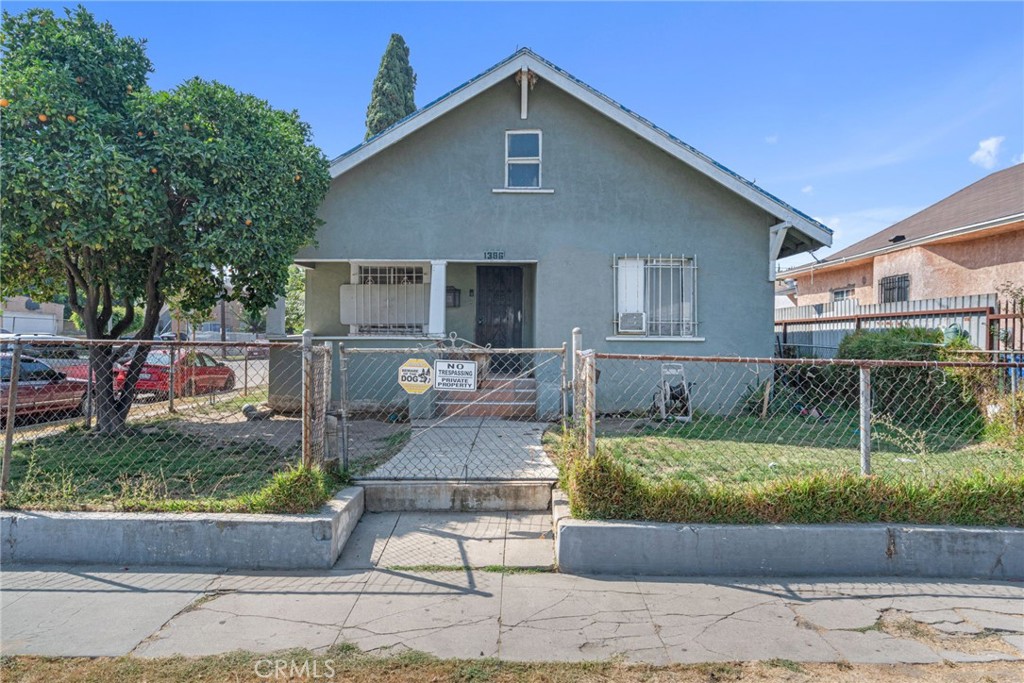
(452, 586)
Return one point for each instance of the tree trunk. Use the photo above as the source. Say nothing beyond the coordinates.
(113, 402)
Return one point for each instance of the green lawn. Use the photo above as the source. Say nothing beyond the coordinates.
(746, 448)
(159, 461)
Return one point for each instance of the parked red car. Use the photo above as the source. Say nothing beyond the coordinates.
(41, 389)
(194, 373)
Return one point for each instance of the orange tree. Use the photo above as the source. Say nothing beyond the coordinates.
(120, 196)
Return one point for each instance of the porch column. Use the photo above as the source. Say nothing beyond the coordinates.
(275, 319)
(438, 280)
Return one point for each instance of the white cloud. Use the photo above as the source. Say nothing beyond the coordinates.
(1017, 159)
(772, 139)
(988, 152)
(807, 189)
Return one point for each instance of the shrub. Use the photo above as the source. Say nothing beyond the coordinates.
(944, 399)
(898, 343)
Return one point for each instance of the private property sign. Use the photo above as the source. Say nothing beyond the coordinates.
(415, 376)
(455, 375)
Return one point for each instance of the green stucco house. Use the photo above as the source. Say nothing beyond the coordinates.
(524, 203)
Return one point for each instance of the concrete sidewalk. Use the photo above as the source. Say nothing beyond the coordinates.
(382, 597)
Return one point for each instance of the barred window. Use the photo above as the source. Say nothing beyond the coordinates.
(894, 288)
(387, 299)
(389, 275)
(656, 296)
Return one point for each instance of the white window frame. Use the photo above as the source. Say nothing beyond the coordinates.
(850, 292)
(639, 287)
(525, 160)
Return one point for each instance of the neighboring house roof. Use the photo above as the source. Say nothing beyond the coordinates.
(994, 201)
(805, 233)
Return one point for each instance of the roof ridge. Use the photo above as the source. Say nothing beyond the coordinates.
(696, 159)
(948, 199)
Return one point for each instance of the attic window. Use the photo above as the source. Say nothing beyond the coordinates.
(522, 158)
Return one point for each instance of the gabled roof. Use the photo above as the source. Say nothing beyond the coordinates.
(992, 202)
(805, 233)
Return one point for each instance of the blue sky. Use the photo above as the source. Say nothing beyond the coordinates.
(859, 114)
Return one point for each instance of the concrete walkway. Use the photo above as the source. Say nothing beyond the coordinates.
(405, 582)
(462, 448)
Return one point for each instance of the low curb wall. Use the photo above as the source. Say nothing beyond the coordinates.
(224, 540)
(657, 549)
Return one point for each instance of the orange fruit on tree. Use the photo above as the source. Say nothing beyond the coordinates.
(153, 170)
(72, 118)
(248, 222)
(298, 178)
(4, 102)
(43, 118)
(141, 134)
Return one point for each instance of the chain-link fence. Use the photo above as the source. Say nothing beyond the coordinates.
(737, 420)
(125, 423)
(450, 412)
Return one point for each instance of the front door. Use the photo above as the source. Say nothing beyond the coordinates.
(499, 311)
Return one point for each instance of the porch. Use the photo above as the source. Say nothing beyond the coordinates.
(487, 302)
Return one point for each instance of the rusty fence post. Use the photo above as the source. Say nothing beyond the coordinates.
(170, 380)
(590, 401)
(12, 409)
(565, 387)
(90, 389)
(307, 398)
(343, 380)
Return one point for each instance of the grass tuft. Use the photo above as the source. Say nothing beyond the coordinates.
(604, 488)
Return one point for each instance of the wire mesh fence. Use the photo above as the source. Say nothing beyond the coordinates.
(123, 423)
(736, 420)
(449, 412)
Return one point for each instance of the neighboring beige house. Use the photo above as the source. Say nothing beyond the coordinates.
(22, 315)
(969, 243)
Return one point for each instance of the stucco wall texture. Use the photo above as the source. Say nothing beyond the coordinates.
(430, 197)
(961, 267)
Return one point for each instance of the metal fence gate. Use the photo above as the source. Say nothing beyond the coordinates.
(451, 412)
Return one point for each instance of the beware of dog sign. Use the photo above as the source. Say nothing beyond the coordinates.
(455, 375)
(415, 376)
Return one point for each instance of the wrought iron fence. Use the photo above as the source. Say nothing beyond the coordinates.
(450, 411)
(736, 420)
(122, 423)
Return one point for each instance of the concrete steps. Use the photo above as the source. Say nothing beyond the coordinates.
(456, 496)
(514, 398)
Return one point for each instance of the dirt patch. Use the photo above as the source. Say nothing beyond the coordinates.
(902, 625)
(410, 667)
(372, 443)
(283, 433)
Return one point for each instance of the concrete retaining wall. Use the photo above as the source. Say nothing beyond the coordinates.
(639, 548)
(234, 541)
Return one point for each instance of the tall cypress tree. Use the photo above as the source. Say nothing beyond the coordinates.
(394, 89)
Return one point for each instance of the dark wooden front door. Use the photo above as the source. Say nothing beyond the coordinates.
(499, 306)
